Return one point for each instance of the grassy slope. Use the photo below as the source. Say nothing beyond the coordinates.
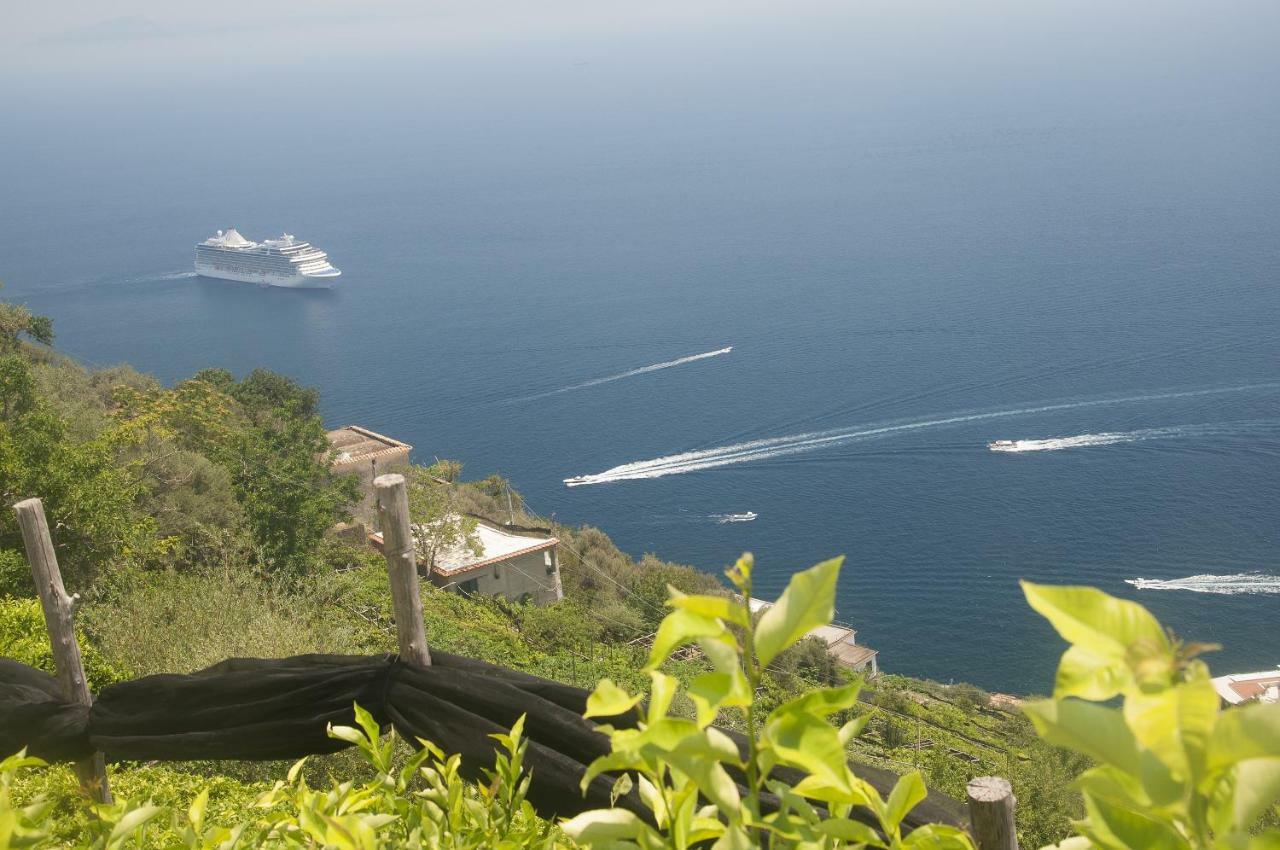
(152, 621)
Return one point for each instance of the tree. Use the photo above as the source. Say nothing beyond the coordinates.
(266, 433)
(17, 321)
(439, 526)
(89, 498)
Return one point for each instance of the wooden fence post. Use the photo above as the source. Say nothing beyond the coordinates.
(59, 613)
(991, 806)
(402, 565)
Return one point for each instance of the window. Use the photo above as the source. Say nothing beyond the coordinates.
(469, 587)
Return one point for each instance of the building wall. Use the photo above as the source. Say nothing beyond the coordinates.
(366, 470)
(524, 577)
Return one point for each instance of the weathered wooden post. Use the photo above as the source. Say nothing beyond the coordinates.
(59, 619)
(402, 566)
(991, 806)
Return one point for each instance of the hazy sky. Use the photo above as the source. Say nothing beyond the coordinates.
(75, 36)
(119, 53)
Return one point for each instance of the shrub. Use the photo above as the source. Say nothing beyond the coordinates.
(1173, 769)
(969, 696)
(422, 803)
(699, 786)
(175, 622)
(23, 637)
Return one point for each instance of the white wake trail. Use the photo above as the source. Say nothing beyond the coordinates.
(1232, 585)
(725, 519)
(1053, 444)
(630, 373)
(694, 461)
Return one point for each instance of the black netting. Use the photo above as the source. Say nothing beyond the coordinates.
(250, 708)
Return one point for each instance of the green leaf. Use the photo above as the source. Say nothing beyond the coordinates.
(296, 768)
(346, 733)
(1175, 724)
(621, 787)
(821, 702)
(1126, 827)
(811, 744)
(609, 700)
(1090, 675)
(1246, 732)
(740, 573)
(699, 757)
(1103, 626)
(604, 825)
(853, 831)
(711, 692)
(905, 796)
(853, 728)
(133, 820)
(662, 690)
(808, 602)
(1257, 790)
(678, 628)
(734, 838)
(936, 836)
(1094, 730)
(195, 814)
(720, 607)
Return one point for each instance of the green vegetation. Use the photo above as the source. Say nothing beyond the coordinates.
(193, 520)
(688, 770)
(1172, 770)
(415, 802)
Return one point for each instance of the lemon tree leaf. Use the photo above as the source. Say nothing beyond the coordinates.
(609, 700)
(1094, 730)
(808, 602)
(1096, 621)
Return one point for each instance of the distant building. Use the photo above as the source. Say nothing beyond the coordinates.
(841, 642)
(366, 454)
(1249, 687)
(516, 563)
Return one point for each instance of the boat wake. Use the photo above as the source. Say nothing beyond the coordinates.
(1233, 585)
(725, 519)
(159, 276)
(774, 447)
(630, 373)
(1054, 444)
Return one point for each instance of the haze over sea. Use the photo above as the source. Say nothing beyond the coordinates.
(919, 228)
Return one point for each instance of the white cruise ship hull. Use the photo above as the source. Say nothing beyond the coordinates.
(284, 262)
(294, 281)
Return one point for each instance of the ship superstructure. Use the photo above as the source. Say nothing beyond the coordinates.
(272, 262)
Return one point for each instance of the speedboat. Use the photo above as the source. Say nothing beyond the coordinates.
(1003, 446)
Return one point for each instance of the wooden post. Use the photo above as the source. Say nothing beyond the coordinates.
(59, 613)
(402, 566)
(991, 805)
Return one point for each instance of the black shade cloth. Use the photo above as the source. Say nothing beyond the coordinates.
(250, 708)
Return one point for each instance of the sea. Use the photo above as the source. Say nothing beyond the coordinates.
(751, 284)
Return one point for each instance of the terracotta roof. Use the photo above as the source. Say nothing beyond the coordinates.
(1243, 687)
(354, 444)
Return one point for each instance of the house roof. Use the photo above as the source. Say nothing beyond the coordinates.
(355, 444)
(496, 544)
(1243, 687)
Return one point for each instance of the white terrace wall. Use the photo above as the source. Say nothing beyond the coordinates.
(534, 576)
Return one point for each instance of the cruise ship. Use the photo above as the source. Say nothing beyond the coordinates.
(272, 262)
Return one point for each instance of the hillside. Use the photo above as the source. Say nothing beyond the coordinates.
(194, 522)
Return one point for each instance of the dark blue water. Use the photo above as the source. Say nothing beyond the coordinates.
(893, 221)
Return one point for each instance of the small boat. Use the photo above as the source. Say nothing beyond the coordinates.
(742, 517)
(1003, 446)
